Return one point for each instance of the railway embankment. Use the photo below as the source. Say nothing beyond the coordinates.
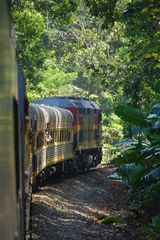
(73, 208)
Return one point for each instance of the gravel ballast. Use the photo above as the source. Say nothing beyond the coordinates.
(72, 209)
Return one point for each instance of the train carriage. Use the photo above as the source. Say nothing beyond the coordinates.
(38, 126)
(58, 123)
(60, 127)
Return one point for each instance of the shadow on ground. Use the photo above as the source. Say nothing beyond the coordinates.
(71, 208)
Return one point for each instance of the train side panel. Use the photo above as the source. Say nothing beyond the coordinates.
(46, 155)
(11, 193)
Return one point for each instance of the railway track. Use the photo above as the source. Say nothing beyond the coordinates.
(71, 208)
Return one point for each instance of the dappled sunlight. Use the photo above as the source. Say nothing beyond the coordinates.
(77, 204)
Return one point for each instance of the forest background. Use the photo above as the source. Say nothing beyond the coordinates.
(107, 51)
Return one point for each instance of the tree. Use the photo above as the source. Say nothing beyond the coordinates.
(142, 30)
(30, 30)
(32, 19)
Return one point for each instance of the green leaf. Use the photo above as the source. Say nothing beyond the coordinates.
(156, 109)
(153, 175)
(131, 115)
(112, 220)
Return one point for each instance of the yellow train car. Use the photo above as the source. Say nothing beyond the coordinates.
(52, 142)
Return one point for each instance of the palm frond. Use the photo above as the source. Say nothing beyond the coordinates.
(131, 115)
(152, 175)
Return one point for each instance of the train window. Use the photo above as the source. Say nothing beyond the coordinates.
(65, 135)
(68, 135)
(57, 135)
(62, 135)
(40, 139)
(52, 135)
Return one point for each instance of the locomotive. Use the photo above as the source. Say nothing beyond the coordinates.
(74, 125)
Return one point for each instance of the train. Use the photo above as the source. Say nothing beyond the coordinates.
(38, 140)
(74, 127)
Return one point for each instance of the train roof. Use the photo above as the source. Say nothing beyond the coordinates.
(52, 115)
(68, 102)
(55, 102)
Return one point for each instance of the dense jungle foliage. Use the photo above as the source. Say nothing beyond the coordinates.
(107, 51)
(138, 164)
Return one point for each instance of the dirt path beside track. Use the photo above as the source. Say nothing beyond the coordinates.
(71, 209)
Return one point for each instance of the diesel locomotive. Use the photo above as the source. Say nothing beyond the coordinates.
(74, 127)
